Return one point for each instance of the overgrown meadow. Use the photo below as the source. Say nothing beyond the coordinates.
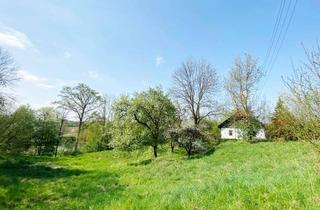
(233, 175)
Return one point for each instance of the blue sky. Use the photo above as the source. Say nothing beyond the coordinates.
(123, 46)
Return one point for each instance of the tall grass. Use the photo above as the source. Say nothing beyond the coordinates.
(235, 175)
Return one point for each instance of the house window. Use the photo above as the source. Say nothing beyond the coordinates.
(230, 132)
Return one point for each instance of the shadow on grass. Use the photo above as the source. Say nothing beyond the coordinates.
(26, 169)
(204, 154)
(33, 185)
(141, 163)
(255, 141)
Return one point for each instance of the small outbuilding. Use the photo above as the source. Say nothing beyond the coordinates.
(230, 130)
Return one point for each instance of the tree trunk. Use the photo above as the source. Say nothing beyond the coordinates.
(56, 150)
(189, 152)
(59, 137)
(78, 136)
(172, 146)
(155, 152)
(195, 120)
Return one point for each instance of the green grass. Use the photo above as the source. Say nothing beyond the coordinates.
(234, 176)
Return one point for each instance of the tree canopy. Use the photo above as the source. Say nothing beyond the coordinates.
(149, 113)
(81, 100)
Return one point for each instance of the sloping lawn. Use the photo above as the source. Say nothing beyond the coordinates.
(236, 175)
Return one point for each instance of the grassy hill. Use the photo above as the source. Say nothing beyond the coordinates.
(234, 176)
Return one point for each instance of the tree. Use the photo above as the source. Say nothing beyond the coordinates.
(17, 130)
(94, 136)
(173, 136)
(156, 113)
(152, 112)
(127, 134)
(106, 109)
(195, 85)
(61, 116)
(81, 100)
(46, 134)
(8, 72)
(282, 123)
(242, 83)
(304, 97)
(249, 126)
(190, 139)
(211, 130)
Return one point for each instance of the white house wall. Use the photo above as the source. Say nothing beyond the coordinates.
(237, 133)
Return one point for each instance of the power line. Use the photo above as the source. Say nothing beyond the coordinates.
(283, 25)
(275, 31)
(274, 48)
(285, 34)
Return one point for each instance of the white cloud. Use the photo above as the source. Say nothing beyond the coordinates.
(34, 79)
(93, 74)
(14, 38)
(67, 55)
(43, 81)
(159, 60)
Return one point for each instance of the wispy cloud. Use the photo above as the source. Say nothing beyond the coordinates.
(44, 82)
(159, 60)
(93, 74)
(67, 55)
(14, 38)
(34, 79)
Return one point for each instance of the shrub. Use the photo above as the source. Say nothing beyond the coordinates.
(191, 140)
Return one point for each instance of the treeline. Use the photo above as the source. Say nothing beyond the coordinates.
(185, 116)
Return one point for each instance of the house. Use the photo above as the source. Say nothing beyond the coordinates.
(229, 130)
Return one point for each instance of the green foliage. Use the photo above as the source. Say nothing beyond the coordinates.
(94, 135)
(143, 119)
(82, 101)
(98, 136)
(126, 133)
(16, 130)
(67, 144)
(46, 134)
(211, 130)
(190, 139)
(249, 127)
(173, 137)
(271, 175)
(282, 126)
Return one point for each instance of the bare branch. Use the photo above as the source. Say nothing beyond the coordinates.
(195, 87)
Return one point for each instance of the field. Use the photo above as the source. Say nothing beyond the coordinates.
(236, 175)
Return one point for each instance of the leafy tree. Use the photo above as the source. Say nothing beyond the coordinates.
(282, 123)
(127, 134)
(98, 136)
(211, 130)
(61, 116)
(249, 127)
(149, 114)
(46, 134)
(94, 135)
(173, 136)
(16, 130)
(104, 143)
(67, 143)
(81, 100)
(190, 139)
